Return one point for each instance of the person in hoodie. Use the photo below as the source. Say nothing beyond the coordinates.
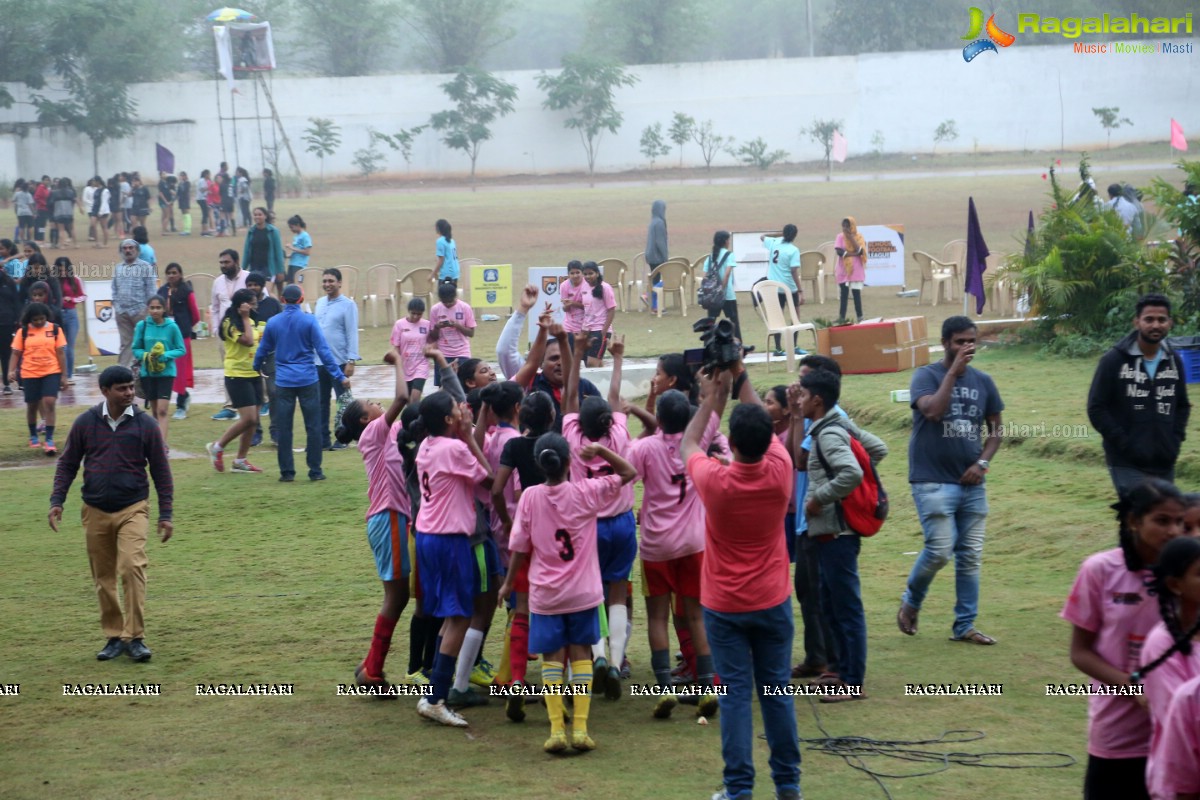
(656, 237)
(1138, 401)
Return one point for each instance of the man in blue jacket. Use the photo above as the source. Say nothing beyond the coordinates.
(295, 338)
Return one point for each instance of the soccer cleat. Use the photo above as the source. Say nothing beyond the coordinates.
(484, 674)
(466, 699)
(438, 712)
(34, 444)
(664, 706)
(416, 679)
(708, 706)
(363, 679)
(557, 743)
(599, 676)
(581, 741)
(514, 706)
(217, 457)
(180, 413)
(50, 449)
(224, 415)
(242, 465)
(612, 686)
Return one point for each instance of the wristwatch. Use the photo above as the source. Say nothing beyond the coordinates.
(983, 465)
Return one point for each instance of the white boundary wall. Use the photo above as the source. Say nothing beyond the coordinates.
(1001, 101)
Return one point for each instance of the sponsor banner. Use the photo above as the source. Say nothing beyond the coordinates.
(103, 337)
(491, 286)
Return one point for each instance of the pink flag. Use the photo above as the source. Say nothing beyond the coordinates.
(839, 147)
(1177, 140)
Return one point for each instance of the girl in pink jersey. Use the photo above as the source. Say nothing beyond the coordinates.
(388, 512)
(453, 323)
(409, 336)
(595, 422)
(574, 295)
(1181, 744)
(555, 529)
(1111, 613)
(598, 314)
(1170, 657)
(449, 467)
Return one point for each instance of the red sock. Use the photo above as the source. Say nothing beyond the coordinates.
(380, 643)
(687, 648)
(518, 651)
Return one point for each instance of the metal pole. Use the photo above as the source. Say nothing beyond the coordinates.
(808, 16)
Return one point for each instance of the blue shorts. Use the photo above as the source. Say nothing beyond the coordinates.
(616, 541)
(549, 633)
(447, 568)
(387, 532)
(487, 564)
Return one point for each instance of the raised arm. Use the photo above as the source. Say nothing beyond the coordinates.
(524, 375)
(570, 395)
(619, 465)
(617, 348)
(450, 382)
(400, 399)
(714, 389)
(507, 345)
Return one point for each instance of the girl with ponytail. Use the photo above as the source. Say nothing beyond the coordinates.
(1111, 612)
(555, 531)
(1170, 656)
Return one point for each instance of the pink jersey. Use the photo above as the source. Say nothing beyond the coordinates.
(451, 342)
(385, 468)
(1161, 685)
(411, 338)
(617, 441)
(493, 446)
(672, 514)
(1180, 756)
(595, 310)
(568, 292)
(1113, 603)
(557, 526)
(448, 473)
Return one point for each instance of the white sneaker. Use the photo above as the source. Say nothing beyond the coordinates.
(439, 712)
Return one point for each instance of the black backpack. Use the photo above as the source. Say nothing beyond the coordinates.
(711, 294)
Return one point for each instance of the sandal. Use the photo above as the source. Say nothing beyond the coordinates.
(974, 637)
(906, 619)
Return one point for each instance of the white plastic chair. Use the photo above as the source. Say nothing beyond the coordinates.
(380, 285)
(766, 293)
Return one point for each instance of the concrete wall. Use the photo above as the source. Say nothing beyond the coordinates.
(1004, 101)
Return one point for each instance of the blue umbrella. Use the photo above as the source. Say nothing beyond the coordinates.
(228, 14)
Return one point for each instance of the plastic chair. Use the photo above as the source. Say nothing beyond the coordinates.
(998, 286)
(812, 269)
(955, 254)
(202, 286)
(464, 274)
(631, 283)
(309, 280)
(614, 270)
(695, 275)
(826, 249)
(420, 283)
(766, 295)
(380, 285)
(350, 281)
(673, 274)
(939, 273)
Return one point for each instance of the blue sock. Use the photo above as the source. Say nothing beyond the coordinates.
(33, 431)
(443, 675)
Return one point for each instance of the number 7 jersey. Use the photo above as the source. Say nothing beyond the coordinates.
(556, 526)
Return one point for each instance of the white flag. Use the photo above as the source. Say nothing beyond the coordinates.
(839, 147)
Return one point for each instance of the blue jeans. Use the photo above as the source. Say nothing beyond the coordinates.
(1126, 478)
(841, 600)
(953, 518)
(752, 650)
(327, 385)
(70, 318)
(283, 411)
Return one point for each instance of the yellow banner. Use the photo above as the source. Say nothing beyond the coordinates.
(491, 286)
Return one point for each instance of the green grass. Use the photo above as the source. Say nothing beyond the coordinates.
(275, 583)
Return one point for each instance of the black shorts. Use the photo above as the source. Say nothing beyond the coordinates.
(416, 385)
(25, 220)
(244, 392)
(37, 388)
(157, 388)
(597, 344)
(292, 272)
(65, 219)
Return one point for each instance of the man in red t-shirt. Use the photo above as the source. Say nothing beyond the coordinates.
(745, 587)
(41, 197)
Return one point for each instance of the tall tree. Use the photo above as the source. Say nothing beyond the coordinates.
(584, 89)
(480, 98)
(640, 32)
(345, 37)
(868, 26)
(22, 45)
(457, 33)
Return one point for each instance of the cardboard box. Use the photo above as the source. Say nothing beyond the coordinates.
(890, 345)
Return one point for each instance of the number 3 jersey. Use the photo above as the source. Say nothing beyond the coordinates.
(556, 526)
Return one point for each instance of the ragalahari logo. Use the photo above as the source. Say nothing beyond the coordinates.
(995, 36)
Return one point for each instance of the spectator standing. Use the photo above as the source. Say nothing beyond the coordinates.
(851, 272)
(25, 208)
(183, 195)
(337, 315)
(268, 187)
(166, 202)
(133, 283)
(263, 249)
(447, 269)
(41, 199)
(10, 315)
(656, 239)
(244, 196)
(182, 307)
(202, 202)
(72, 295)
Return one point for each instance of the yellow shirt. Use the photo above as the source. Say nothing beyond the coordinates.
(239, 358)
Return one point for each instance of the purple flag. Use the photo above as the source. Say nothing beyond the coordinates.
(977, 253)
(166, 159)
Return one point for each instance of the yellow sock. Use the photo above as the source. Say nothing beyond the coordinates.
(552, 675)
(581, 675)
(504, 676)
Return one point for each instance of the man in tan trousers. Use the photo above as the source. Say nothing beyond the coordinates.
(115, 443)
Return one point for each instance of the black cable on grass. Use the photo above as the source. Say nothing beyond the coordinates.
(854, 749)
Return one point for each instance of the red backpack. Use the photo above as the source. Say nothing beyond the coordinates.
(866, 507)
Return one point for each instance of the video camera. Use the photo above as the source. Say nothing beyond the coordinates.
(720, 351)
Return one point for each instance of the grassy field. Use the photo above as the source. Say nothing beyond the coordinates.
(275, 583)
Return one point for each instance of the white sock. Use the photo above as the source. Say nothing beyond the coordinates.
(466, 659)
(618, 632)
(598, 650)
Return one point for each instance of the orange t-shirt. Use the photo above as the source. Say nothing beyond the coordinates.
(39, 352)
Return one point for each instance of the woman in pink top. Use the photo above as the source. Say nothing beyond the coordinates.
(1111, 613)
(851, 273)
(449, 467)
(1181, 744)
(574, 296)
(672, 546)
(555, 528)
(598, 313)
(409, 336)
(388, 512)
(1170, 657)
(453, 324)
